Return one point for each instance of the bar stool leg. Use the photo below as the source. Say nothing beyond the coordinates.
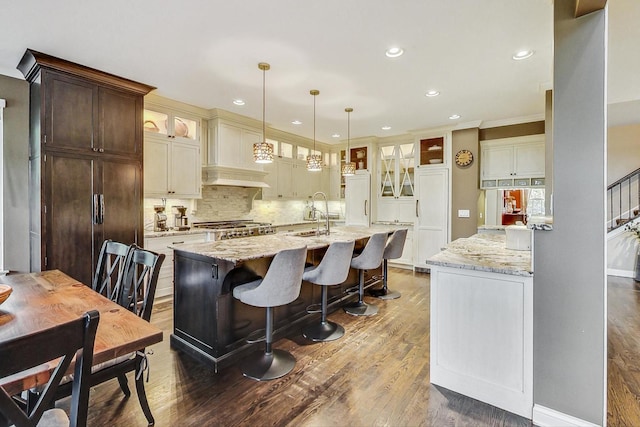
(361, 308)
(385, 293)
(271, 364)
(325, 330)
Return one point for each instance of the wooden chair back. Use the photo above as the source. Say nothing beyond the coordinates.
(139, 283)
(63, 342)
(110, 268)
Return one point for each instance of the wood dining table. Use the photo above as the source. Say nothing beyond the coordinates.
(45, 299)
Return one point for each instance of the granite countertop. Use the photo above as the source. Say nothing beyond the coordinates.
(237, 250)
(395, 223)
(484, 252)
(151, 234)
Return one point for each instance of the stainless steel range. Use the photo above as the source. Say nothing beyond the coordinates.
(221, 230)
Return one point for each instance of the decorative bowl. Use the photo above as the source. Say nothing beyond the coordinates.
(5, 291)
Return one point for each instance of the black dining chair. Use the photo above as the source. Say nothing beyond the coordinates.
(110, 268)
(64, 341)
(135, 292)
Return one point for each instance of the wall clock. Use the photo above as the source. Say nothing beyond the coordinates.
(464, 158)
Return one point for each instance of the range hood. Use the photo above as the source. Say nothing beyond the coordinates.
(234, 177)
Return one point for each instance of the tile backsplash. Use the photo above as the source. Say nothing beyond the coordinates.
(221, 203)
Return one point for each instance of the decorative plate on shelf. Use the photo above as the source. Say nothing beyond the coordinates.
(464, 158)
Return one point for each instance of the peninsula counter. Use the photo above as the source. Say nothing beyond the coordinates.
(482, 322)
(211, 325)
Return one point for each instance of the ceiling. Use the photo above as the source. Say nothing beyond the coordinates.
(206, 53)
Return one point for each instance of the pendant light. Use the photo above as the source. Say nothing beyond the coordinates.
(314, 161)
(348, 168)
(263, 151)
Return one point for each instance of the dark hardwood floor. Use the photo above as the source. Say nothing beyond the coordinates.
(377, 374)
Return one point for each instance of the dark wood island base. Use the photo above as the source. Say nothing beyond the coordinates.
(218, 330)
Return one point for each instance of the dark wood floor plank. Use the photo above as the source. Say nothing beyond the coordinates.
(376, 375)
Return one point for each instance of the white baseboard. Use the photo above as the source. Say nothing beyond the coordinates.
(620, 273)
(546, 417)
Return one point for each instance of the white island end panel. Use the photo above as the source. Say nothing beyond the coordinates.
(482, 336)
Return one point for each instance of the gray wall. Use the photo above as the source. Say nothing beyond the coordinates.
(16, 173)
(569, 279)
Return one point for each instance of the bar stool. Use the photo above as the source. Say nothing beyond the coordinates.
(393, 250)
(280, 286)
(371, 257)
(332, 270)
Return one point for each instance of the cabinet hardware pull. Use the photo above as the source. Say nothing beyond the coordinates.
(101, 208)
(417, 213)
(177, 243)
(96, 219)
(214, 271)
(101, 150)
(365, 207)
(94, 149)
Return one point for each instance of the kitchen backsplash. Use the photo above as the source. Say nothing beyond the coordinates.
(221, 203)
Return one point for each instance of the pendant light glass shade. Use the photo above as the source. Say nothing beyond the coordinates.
(314, 161)
(348, 168)
(263, 151)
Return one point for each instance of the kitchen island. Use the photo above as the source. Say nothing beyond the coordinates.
(211, 325)
(482, 322)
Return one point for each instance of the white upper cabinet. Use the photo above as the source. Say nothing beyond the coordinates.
(172, 159)
(231, 145)
(395, 171)
(513, 162)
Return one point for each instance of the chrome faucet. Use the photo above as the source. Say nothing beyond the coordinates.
(326, 212)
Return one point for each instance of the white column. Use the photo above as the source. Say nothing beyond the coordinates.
(3, 103)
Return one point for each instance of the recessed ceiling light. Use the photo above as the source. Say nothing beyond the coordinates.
(394, 52)
(454, 116)
(238, 102)
(385, 127)
(335, 135)
(522, 54)
(431, 93)
(296, 122)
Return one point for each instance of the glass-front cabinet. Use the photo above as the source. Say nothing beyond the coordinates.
(171, 125)
(396, 169)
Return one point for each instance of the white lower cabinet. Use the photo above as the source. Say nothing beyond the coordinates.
(161, 245)
(431, 231)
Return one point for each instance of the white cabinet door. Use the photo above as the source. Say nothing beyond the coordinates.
(334, 183)
(284, 171)
(246, 148)
(271, 179)
(358, 199)
(156, 167)
(497, 162)
(529, 160)
(432, 208)
(185, 171)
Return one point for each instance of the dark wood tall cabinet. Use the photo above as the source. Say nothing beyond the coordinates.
(85, 161)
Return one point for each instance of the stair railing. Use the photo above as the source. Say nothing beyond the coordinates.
(623, 200)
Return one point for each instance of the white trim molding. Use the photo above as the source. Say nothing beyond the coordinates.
(547, 417)
(3, 104)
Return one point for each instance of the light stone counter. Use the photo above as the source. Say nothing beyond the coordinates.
(238, 250)
(484, 252)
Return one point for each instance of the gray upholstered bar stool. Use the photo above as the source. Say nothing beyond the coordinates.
(392, 250)
(371, 257)
(332, 270)
(280, 286)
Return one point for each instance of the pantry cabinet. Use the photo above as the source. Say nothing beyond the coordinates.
(431, 231)
(85, 163)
